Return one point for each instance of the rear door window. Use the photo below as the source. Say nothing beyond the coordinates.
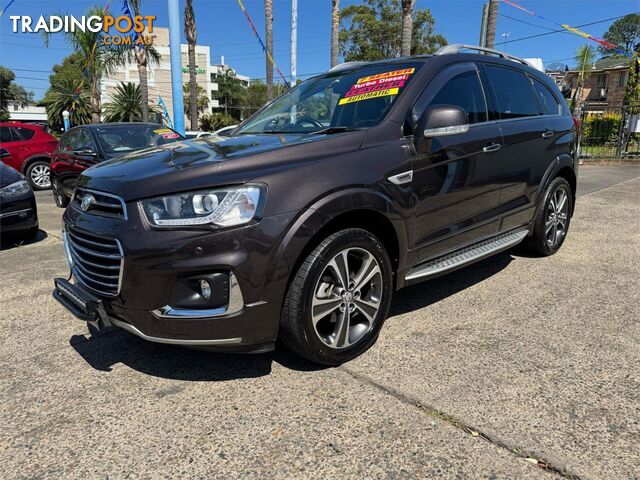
(5, 135)
(550, 105)
(513, 92)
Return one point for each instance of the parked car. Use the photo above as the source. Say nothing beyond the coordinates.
(190, 134)
(18, 211)
(87, 145)
(301, 225)
(225, 131)
(30, 147)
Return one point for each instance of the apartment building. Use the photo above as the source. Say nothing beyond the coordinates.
(159, 76)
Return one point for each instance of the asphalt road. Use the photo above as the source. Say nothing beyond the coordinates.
(515, 367)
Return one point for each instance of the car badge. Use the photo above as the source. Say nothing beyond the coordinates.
(87, 201)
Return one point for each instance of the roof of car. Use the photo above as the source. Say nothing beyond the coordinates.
(121, 124)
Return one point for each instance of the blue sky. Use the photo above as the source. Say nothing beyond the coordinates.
(222, 26)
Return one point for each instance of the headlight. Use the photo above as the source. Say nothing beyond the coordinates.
(226, 207)
(16, 188)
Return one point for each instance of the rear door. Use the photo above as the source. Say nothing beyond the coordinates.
(12, 146)
(456, 180)
(528, 141)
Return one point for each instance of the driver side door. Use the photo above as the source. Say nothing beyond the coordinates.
(456, 178)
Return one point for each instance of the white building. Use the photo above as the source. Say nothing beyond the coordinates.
(159, 76)
(29, 114)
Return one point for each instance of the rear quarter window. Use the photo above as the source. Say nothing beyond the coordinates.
(548, 101)
(21, 133)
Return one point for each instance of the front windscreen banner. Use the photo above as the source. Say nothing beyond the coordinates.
(378, 85)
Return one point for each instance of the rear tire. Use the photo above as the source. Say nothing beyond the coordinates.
(39, 175)
(339, 298)
(58, 193)
(551, 224)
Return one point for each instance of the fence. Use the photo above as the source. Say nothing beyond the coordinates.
(605, 133)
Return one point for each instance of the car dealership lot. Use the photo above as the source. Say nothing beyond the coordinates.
(479, 373)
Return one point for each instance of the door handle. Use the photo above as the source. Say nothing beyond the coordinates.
(547, 133)
(494, 147)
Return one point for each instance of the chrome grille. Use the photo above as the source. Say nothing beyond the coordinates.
(105, 204)
(97, 261)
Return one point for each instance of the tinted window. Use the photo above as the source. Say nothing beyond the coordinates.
(464, 91)
(128, 138)
(550, 105)
(85, 141)
(69, 140)
(513, 91)
(22, 133)
(5, 134)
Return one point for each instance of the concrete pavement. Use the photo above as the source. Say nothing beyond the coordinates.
(515, 367)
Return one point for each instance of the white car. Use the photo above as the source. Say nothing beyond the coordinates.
(225, 131)
(190, 134)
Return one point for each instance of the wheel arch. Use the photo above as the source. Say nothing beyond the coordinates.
(561, 166)
(34, 158)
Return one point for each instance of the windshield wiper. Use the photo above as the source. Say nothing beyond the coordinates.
(329, 130)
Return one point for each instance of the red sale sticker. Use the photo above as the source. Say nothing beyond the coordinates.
(168, 136)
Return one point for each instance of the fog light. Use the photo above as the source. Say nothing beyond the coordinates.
(205, 289)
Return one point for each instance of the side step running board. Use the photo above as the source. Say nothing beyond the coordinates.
(466, 255)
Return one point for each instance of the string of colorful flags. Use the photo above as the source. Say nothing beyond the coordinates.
(264, 49)
(6, 6)
(605, 43)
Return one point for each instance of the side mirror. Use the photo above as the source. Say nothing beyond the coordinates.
(4, 153)
(566, 91)
(440, 120)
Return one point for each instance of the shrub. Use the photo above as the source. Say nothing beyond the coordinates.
(601, 128)
(210, 123)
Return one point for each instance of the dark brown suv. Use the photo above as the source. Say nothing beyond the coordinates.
(301, 224)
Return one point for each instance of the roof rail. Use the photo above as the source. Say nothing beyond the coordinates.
(345, 65)
(456, 47)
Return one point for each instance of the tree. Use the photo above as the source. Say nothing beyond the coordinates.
(256, 97)
(144, 56)
(125, 104)
(584, 58)
(335, 25)
(66, 93)
(11, 94)
(268, 20)
(202, 101)
(215, 121)
(191, 33)
(372, 31)
(624, 32)
(407, 27)
(98, 58)
(492, 23)
(231, 93)
(631, 100)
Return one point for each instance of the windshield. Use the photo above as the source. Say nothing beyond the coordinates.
(343, 100)
(128, 138)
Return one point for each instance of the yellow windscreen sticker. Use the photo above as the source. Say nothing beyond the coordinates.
(404, 71)
(367, 96)
(163, 130)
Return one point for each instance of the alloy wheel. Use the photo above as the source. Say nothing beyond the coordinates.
(40, 176)
(557, 217)
(346, 298)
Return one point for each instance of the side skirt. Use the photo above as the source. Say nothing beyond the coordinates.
(466, 255)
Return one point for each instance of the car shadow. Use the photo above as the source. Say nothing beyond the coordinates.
(102, 350)
(12, 240)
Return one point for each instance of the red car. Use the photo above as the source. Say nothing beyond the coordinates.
(30, 148)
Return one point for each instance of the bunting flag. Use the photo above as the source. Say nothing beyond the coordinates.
(127, 11)
(165, 112)
(264, 49)
(606, 44)
(6, 6)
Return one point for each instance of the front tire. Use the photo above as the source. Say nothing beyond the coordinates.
(58, 193)
(339, 298)
(39, 175)
(551, 224)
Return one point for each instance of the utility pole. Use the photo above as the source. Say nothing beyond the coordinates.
(176, 66)
(294, 53)
(492, 21)
(483, 25)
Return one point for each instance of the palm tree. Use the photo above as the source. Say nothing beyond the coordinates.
(335, 25)
(492, 22)
(67, 94)
(144, 55)
(585, 58)
(407, 27)
(268, 20)
(125, 104)
(98, 58)
(191, 33)
(202, 101)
